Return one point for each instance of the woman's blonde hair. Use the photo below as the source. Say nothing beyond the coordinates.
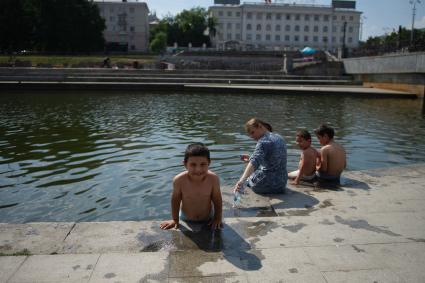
(255, 123)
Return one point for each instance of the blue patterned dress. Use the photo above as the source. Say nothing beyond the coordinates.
(269, 161)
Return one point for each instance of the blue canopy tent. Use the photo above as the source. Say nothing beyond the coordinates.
(308, 51)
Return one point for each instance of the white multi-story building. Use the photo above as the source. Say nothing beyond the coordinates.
(278, 26)
(127, 25)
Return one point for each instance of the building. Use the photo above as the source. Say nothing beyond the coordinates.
(127, 25)
(280, 26)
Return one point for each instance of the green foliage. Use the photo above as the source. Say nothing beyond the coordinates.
(159, 42)
(51, 26)
(189, 26)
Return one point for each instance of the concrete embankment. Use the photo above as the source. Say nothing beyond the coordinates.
(185, 81)
(371, 229)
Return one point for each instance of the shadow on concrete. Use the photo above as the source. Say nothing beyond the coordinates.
(349, 183)
(293, 199)
(234, 248)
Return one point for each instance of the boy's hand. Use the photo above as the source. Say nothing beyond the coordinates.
(215, 224)
(238, 186)
(169, 225)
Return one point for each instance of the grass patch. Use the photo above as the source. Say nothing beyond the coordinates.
(24, 252)
(75, 60)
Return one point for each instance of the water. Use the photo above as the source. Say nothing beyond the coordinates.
(100, 157)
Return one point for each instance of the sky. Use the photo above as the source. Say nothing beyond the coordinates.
(379, 16)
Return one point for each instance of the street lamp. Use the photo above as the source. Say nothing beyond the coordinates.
(413, 2)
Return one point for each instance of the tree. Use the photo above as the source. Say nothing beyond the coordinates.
(16, 25)
(69, 26)
(51, 26)
(159, 43)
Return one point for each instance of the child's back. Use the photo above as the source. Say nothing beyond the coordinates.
(310, 156)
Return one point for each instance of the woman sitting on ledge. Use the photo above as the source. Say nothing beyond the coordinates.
(266, 170)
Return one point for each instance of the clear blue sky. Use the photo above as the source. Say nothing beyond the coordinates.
(381, 16)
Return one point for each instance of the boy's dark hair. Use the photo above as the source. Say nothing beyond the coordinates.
(196, 149)
(325, 130)
(304, 134)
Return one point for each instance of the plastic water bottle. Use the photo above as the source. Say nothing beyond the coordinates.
(237, 197)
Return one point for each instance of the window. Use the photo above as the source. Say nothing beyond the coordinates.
(351, 18)
(287, 28)
(229, 36)
(220, 13)
(269, 16)
(333, 28)
(315, 38)
(238, 36)
(297, 28)
(268, 37)
(258, 37)
(268, 27)
(316, 29)
(229, 25)
(333, 39)
(288, 17)
(286, 37)
(325, 28)
(249, 36)
(249, 15)
(305, 38)
(248, 27)
(325, 39)
(334, 18)
(259, 16)
(343, 18)
(350, 40)
(258, 27)
(238, 26)
(350, 29)
(297, 17)
(277, 27)
(326, 18)
(307, 18)
(296, 38)
(238, 14)
(132, 28)
(229, 13)
(306, 28)
(316, 18)
(277, 37)
(278, 16)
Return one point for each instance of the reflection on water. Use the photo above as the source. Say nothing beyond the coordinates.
(92, 156)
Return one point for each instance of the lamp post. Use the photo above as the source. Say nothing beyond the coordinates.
(413, 2)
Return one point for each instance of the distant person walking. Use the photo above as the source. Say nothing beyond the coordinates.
(266, 170)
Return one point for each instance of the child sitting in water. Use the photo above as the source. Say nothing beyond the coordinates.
(310, 158)
(195, 190)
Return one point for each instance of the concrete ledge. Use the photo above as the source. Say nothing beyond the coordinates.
(370, 229)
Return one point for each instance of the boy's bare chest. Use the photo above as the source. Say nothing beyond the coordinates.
(197, 190)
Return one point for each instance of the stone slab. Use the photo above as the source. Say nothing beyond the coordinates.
(361, 276)
(9, 265)
(141, 267)
(37, 238)
(56, 268)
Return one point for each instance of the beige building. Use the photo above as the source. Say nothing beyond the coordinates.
(127, 25)
(278, 26)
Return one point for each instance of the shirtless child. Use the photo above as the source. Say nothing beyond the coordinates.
(309, 159)
(333, 157)
(195, 191)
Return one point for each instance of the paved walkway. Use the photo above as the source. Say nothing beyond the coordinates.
(372, 229)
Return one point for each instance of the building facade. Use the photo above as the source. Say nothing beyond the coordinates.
(280, 26)
(127, 25)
